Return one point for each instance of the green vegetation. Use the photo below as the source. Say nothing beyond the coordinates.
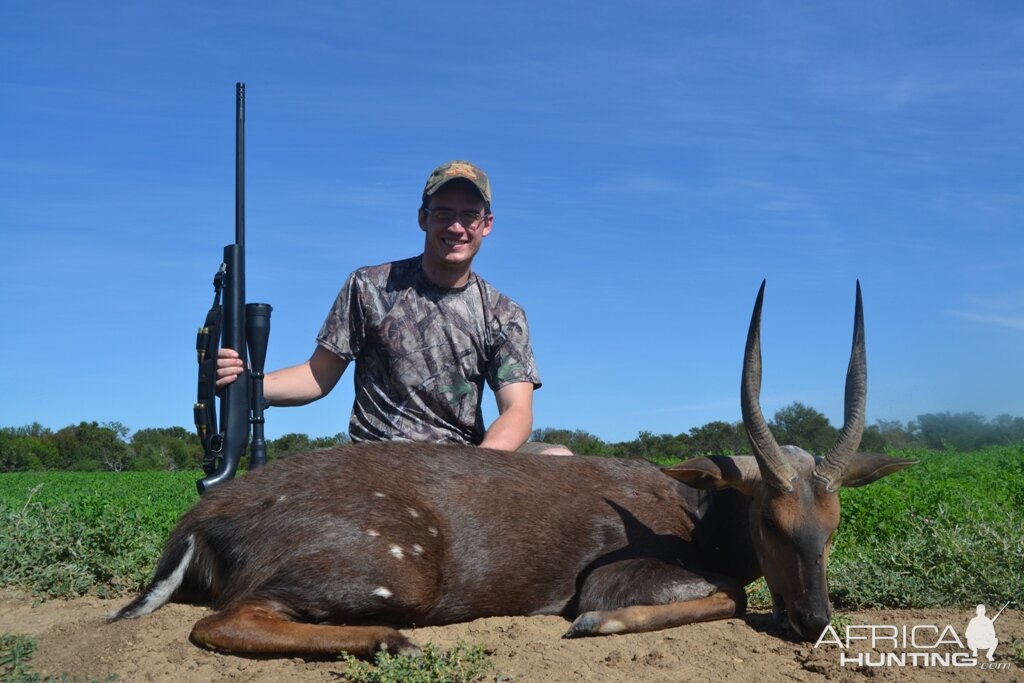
(945, 532)
(68, 533)
(110, 446)
(1017, 648)
(16, 650)
(462, 664)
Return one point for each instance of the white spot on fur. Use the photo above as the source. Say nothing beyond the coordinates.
(432, 531)
(613, 626)
(372, 532)
(282, 498)
(396, 552)
(378, 494)
(382, 592)
(417, 549)
(413, 513)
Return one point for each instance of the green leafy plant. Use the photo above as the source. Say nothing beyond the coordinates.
(758, 595)
(15, 651)
(840, 621)
(463, 663)
(1017, 649)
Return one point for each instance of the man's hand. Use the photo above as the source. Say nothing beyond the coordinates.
(229, 367)
(294, 386)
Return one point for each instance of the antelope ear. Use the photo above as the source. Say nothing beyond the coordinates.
(718, 472)
(865, 468)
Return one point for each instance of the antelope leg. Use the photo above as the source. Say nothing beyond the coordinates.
(259, 628)
(641, 618)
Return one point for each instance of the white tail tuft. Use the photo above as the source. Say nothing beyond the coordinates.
(158, 592)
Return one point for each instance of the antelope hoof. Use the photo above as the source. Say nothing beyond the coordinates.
(584, 626)
(400, 645)
(593, 624)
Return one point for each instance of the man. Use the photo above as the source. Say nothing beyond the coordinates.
(425, 333)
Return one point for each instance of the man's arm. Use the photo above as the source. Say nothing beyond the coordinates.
(294, 386)
(515, 417)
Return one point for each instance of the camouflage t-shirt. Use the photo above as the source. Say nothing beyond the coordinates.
(422, 352)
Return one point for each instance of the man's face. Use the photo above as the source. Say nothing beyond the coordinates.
(452, 242)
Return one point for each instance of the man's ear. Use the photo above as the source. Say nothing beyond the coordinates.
(865, 468)
(485, 229)
(422, 219)
(718, 472)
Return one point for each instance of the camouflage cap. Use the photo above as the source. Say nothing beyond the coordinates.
(458, 169)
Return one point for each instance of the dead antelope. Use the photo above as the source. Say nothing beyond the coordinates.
(330, 551)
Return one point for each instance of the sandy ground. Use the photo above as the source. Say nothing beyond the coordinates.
(74, 638)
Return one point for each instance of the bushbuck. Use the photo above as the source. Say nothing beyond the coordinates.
(331, 551)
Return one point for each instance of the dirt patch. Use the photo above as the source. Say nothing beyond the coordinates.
(74, 638)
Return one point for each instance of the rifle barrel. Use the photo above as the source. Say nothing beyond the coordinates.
(240, 165)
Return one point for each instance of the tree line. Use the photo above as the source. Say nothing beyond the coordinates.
(801, 425)
(111, 446)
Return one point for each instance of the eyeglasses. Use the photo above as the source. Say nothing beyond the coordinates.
(468, 219)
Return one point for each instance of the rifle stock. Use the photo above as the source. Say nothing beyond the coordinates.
(241, 402)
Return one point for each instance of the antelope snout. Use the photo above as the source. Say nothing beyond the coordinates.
(809, 624)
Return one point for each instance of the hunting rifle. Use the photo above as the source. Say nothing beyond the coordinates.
(237, 326)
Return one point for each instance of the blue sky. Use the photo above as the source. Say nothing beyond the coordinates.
(651, 163)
